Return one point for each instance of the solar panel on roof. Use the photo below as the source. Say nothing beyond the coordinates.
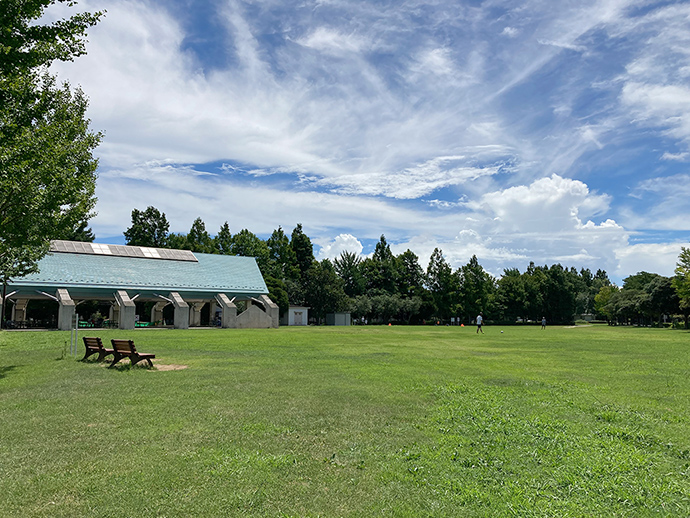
(76, 247)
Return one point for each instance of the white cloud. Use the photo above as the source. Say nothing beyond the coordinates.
(342, 243)
(679, 157)
(548, 204)
(413, 182)
(328, 40)
(658, 258)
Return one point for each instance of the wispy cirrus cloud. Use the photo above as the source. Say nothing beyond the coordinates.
(521, 126)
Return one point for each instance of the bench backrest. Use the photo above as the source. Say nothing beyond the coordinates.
(93, 342)
(123, 346)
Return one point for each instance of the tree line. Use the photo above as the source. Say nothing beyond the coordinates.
(387, 288)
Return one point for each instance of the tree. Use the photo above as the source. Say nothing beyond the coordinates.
(410, 274)
(278, 293)
(443, 285)
(663, 299)
(247, 244)
(380, 270)
(347, 266)
(304, 259)
(476, 287)
(178, 241)
(511, 295)
(28, 46)
(199, 239)
(304, 250)
(535, 280)
(223, 240)
(681, 282)
(324, 290)
(559, 294)
(149, 228)
(47, 169)
(282, 259)
(81, 232)
(602, 302)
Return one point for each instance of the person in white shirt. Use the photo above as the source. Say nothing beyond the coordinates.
(480, 319)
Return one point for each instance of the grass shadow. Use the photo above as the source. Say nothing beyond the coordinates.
(5, 370)
(123, 367)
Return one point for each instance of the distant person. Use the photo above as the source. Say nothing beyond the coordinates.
(480, 320)
(543, 322)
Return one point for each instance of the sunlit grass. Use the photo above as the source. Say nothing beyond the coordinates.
(361, 421)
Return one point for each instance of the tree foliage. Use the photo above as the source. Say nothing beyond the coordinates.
(149, 228)
(28, 45)
(681, 282)
(47, 168)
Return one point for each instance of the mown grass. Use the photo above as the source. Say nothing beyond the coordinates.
(361, 421)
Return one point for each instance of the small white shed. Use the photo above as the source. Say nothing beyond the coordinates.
(296, 316)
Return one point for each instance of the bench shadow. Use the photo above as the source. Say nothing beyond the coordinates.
(121, 367)
(5, 370)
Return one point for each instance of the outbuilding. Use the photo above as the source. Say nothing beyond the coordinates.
(338, 319)
(296, 316)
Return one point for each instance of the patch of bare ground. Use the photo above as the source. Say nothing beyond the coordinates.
(169, 367)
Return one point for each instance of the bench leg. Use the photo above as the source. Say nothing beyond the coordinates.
(136, 359)
(102, 355)
(116, 358)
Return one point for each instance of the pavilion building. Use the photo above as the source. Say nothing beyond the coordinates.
(121, 275)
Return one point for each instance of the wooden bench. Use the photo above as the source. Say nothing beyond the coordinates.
(126, 349)
(94, 345)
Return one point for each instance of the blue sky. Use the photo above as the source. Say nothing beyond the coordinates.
(516, 131)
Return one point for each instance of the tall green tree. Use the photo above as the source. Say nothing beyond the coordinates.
(443, 284)
(149, 228)
(81, 232)
(26, 45)
(47, 167)
(380, 270)
(281, 257)
(410, 274)
(681, 282)
(222, 242)
(511, 296)
(324, 290)
(602, 302)
(303, 248)
(247, 244)
(663, 298)
(476, 288)
(535, 287)
(347, 266)
(199, 239)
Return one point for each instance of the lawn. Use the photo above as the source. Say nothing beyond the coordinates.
(358, 421)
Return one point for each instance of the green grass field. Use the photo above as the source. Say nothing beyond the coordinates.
(360, 421)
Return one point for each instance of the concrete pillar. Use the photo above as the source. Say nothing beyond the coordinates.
(66, 311)
(228, 315)
(272, 309)
(127, 310)
(114, 313)
(157, 312)
(195, 313)
(19, 310)
(181, 311)
(212, 305)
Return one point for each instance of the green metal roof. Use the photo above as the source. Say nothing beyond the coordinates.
(89, 274)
